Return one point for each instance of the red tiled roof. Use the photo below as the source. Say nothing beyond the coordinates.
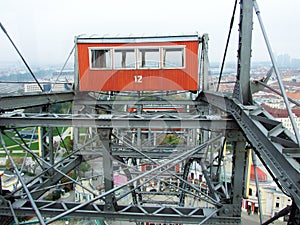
(262, 176)
(281, 113)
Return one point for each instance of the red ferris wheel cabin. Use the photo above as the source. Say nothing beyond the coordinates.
(137, 63)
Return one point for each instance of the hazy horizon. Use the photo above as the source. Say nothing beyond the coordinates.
(44, 31)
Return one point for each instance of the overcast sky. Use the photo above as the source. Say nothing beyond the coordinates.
(44, 30)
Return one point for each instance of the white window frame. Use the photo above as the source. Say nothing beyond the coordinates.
(99, 49)
(137, 52)
(148, 48)
(125, 48)
(182, 47)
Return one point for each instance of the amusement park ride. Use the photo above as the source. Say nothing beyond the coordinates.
(143, 109)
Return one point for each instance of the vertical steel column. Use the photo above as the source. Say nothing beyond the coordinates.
(238, 178)
(238, 174)
(139, 130)
(242, 87)
(204, 63)
(50, 146)
(183, 185)
(257, 186)
(105, 137)
(42, 142)
(76, 67)
(47, 147)
(1, 173)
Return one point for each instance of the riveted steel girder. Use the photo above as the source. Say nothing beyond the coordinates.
(284, 169)
(164, 121)
(9, 103)
(133, 213)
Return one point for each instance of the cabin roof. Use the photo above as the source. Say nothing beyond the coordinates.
(138, 39)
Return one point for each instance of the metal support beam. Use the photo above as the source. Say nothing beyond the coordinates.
(204, 63)
(9, 103)
(32, 202)
(165, 121)
(66, 165)
(132, 213)
(238, 170)
(284, 170)
(257, 187)
(183, 185)
(51, 150)
(281, 86)
(242, 89)
(157, 170)
(105, 137)
(238, 175)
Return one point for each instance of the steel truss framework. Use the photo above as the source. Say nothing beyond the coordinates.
(157, 153)
(252, 120)
(122, 151)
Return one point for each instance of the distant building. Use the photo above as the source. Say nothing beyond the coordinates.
(96, 187)
(276, 201)
(282, 116)
(82, 195)
(284, 60)
(272, 199)
(295, 63)
(33, 87)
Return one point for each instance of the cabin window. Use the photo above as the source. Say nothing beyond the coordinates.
(149, 58)
(100, 59)
(173, 57)
(124, 59)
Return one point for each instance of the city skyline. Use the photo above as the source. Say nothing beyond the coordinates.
(44, 31)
